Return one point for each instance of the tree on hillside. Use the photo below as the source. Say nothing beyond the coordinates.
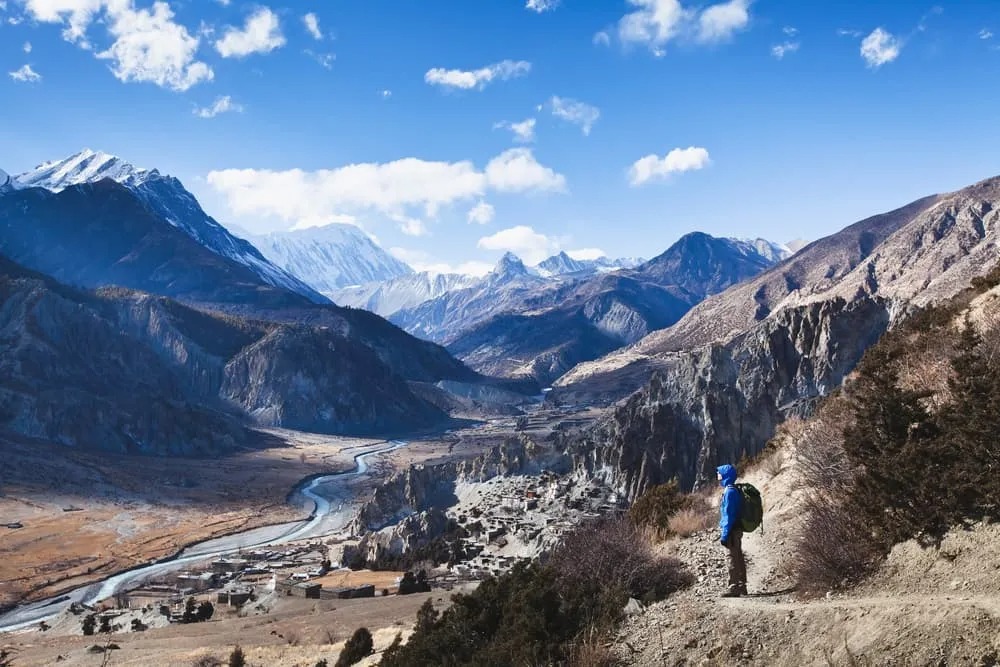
(359, 646)
(236, 658)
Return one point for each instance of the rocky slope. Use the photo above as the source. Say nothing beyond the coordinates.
(124, 371)
(390, 296)
(739, 363)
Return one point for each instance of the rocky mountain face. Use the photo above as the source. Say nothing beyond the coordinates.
(551, 329)
(714, 386)
(331, 257)
(128, 372)
(166, 197)
(98, 234)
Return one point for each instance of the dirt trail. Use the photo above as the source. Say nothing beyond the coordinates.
(926, 606)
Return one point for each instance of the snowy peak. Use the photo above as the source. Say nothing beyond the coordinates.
(331, 257)
(775, 252)
(560, 264)
(87, 166)
(510, 266)
(4, 180)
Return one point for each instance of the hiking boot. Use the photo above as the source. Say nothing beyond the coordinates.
(733, 592)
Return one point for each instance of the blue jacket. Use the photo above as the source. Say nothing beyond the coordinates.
(732, 502)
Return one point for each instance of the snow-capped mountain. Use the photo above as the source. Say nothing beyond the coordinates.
(165, 196)
(330, 257)
(563, 264)
(391, 296)
(775, 252)
(4, 180)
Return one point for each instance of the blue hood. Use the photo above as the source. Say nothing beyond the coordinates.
(728, 473)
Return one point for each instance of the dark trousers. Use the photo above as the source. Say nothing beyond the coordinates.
(737, 563)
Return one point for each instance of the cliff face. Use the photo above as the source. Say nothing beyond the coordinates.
(722, 402)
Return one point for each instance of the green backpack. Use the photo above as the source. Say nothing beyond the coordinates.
(752, 515)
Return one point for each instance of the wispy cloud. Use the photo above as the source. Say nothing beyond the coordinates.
(779, 51)
(985, 34)
(325, 60)
(311, 22)
(25, 74)
(523, 131)
(573, 111)
(478, 78)
(223, 104)
(541, 5)
(261, 34)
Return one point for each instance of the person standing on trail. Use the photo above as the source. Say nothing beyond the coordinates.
(731, 530)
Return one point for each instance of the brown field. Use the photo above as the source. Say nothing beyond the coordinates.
(127, 510)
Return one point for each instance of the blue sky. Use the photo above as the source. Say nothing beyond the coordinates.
(651, 118)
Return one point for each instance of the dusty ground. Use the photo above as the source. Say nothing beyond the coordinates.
(127, 510)
(293, 631)
(924, 607)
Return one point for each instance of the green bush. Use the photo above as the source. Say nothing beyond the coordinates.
(358, 647)
(654, 508)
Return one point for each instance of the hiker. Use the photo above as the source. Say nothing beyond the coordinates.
(731, 530)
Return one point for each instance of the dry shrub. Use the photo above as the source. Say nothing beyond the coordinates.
(833, 549)
(654, 508)
(207, 661)
(689, 521)
(821, 461)
(591, 651)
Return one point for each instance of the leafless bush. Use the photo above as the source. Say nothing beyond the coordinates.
(590, 650)
(613, 555)
(834, 547)
(823, 465)
(207, 661)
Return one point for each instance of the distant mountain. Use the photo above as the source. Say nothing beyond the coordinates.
(5, 181)
(545, 332)
(563, 264)
(408, 291)
(166, 197)
(330, 257)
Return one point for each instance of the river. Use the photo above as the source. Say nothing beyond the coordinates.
(329, 494)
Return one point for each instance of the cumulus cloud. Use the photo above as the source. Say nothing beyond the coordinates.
(676, 161)
(779, 51)
(655, 23)
(481, 214)
(517, 170)
(880, 47)
(531, 246)
(523, 132)
(223, 104)
(541, 5)
(25, 75)
(573, 111)
(311, 22)
(479, 78)
(261, 34)
(148, 47)
(395, 189)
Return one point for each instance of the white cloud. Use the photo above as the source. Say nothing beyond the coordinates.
(311, 22)
(584, 254)
(386, 94)
(325, 60)
(676, 161)
(848, 32)
(481, 214)
(541, 5)
(655, 23)
(985, 34)
(221, 105)
(27, 47)
(411, 226)
(880, 47)
(421, 261)
(150, 47)
(479, 78)
(523, 132)
(516, 170)
(573, 111)
(601, 38)
(531, 246)
(342, 219)
(25, 75)
(779, 51)
(261, 34)
(791, 31)
(393, 189)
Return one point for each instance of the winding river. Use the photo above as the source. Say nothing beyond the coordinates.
(329, 494)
